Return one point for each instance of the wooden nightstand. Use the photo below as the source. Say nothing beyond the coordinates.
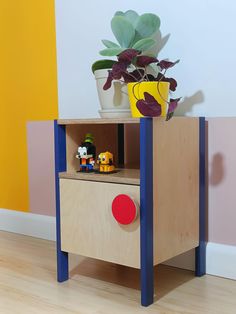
(164, 173)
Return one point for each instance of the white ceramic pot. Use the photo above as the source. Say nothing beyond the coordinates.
(115, 99)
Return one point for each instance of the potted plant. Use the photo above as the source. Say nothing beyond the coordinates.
(148, 92)
(131, 31)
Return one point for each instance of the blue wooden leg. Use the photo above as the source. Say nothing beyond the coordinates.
(62, 266)
(146, 211)
(200, 252)
(60, 165)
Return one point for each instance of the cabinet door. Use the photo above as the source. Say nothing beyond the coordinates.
(88, 227)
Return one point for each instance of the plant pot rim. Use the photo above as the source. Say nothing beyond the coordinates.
(150, 83)
(102, 73)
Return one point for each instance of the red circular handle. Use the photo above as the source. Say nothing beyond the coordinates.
(124, 209)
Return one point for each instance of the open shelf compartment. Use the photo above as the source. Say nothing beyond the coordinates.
(119, 136)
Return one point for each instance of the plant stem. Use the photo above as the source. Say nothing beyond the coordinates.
(163, 75)
(134, 92)
(131, 76)
(145, 74)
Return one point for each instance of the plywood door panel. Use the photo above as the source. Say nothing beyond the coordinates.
(176, 186)
(88, 227)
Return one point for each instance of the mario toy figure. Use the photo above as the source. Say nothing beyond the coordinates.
(87, 154)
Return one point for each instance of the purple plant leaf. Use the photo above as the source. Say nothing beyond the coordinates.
(116, 73)
(165, 64)
(149, 107)
(173, 84)
(128, 78)
(107, 85)
(136, 75)
(173, 104)
(172, 81)
(143, 61)
(128, 55)
(149, 98)
(169, 116)
(118, 69)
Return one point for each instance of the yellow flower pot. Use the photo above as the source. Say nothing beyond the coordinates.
(159, 90)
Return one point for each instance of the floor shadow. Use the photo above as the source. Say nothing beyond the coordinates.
(169, 278)
(186, 106)
(166, 278)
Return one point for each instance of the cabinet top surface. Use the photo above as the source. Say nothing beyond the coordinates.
(118, 120)
(98, 121)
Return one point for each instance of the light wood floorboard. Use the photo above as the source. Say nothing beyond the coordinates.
(28, 285)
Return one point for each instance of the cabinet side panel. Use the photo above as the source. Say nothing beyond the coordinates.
(88, 227)
(105, 138)
(175, 186)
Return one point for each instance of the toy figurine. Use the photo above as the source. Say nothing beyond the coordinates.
(105, 161)
(87, 154)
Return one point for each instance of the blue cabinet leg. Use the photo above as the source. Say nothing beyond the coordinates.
(200, 252)
(147, 285)
(60, 165)
(146, 211)
(62, 266)
(200, 260)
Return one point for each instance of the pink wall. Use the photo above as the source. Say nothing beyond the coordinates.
(222, 180)
(40, 139)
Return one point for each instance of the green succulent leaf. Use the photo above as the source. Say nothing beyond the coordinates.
(123, 31)
(109, 52)
(132, 17)
(119, 13)
(144, 44)
(103, 64)
(110, 44)
(148, 24)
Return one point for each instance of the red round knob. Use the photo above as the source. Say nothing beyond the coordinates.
(124, 209)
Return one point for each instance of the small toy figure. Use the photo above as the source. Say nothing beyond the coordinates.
(87, 154)
(105, 161)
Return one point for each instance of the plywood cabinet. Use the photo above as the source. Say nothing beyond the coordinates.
(162, 169)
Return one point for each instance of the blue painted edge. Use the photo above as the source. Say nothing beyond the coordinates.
(200, 252)
(146, 211)
(60, 165)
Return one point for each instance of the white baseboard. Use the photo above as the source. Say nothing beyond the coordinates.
(39, 226)
(220, 259)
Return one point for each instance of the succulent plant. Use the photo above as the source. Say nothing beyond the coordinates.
(131, 31)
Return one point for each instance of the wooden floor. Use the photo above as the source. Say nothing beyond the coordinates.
(28, 285)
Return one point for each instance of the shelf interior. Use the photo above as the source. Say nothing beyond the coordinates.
(123, 145)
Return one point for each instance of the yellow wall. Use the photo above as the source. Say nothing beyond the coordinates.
(28, 88)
